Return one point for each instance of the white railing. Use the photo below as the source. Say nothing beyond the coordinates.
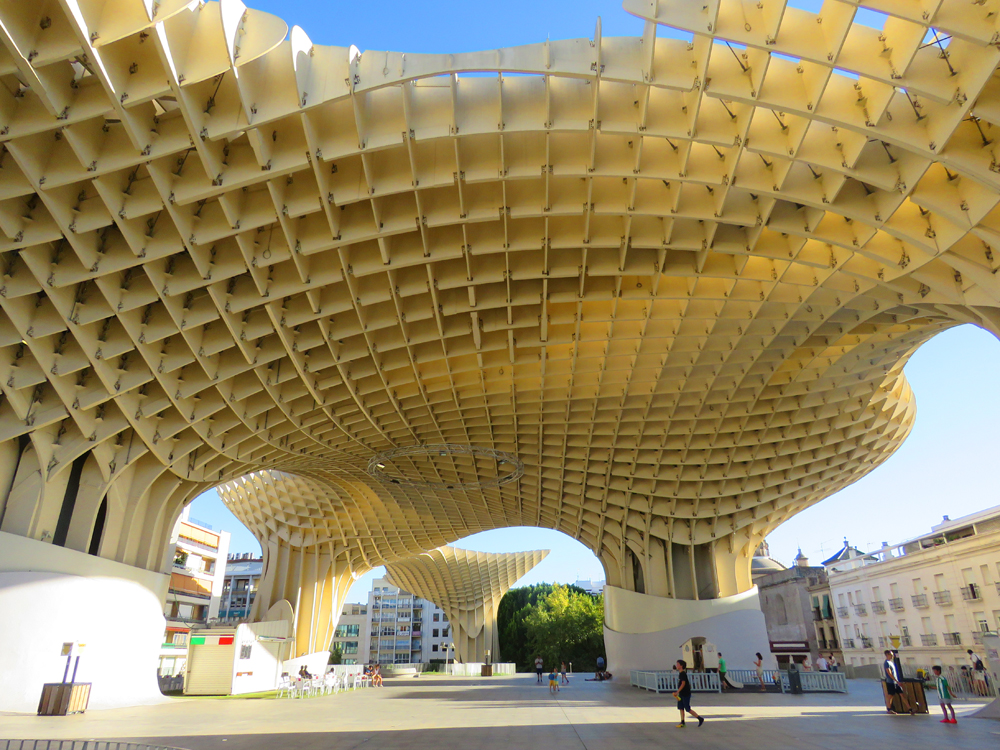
(475, 669)
(823, 682)
(667, 682)
(749, 676)
(76, 745)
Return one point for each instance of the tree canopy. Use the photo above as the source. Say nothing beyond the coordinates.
(558, 623)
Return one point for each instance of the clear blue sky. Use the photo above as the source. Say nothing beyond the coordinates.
(947, 466)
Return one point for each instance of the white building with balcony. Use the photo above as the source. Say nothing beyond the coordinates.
(196, 582)
(934, 596)
(243, 574)
(404, 629)
(351, 636)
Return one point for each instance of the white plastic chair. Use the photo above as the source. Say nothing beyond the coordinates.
(285, 688)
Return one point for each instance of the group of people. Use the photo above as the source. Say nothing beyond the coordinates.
(374, 674)
(892, 673)
(559, 678)
(556, 679)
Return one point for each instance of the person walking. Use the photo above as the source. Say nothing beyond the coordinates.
(892, 684)
(553, 682)
(759, 666)
(564, 680)
(822, 664)
(978, 673)
(539, 668)
(834, 664)
(683, 694)
(944, 695)
(722, 673)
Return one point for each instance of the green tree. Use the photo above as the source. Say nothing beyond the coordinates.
(559, 623)
(567, 626)
(336, 655)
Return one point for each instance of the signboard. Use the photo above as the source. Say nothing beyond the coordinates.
(67, 649)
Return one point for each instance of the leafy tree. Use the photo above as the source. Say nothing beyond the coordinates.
(336, 655)
(558, 623)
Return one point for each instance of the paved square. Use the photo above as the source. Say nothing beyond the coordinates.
(441, 713)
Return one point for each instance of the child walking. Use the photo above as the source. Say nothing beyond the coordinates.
(683, 694)
(944, 695)
(553, 681)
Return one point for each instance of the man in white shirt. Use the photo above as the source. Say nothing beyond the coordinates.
(892, 684)
(822, 664)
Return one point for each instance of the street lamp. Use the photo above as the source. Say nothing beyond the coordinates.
(447, 654)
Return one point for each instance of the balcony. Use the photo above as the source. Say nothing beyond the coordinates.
(841, 611)
(971, 593)
(866, 642)
(919, 601)
(977, 637)
(952, 639)
(822, 644)
(832, 643)
(905, 640)
(896, 605)
(884, 642)
(860, 610)
(942, 598)
(928, 640)
(878, 608)
(848, 643)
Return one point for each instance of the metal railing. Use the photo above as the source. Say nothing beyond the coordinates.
(667, 682)
(818, 682)
(841, 611)
(942, 597)
(905, 640)
(76, 745)
(860, 610)
(866, 642)
(952, 639)
(848, 643)
(896, 605)
(977, 637)
(878, 608)
(919, 601)
(749, 676)
(965, 684)
(928, 639)
(971, 593)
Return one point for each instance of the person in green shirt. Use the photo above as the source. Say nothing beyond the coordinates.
(722, 672)
(944, 695)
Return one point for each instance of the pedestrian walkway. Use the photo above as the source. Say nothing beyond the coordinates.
(503, 713)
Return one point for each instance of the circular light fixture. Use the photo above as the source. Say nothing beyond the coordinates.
(509, 466)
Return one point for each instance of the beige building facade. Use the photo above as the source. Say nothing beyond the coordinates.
(937, 594)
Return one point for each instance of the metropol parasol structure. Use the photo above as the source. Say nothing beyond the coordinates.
(656, 293)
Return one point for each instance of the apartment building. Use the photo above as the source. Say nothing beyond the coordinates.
(196, 581)
(404, 629)
(350, 637)
(792, 603)
(933, 596)
(243, 574)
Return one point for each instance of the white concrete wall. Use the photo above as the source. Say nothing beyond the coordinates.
(647, 632)
(50, 595)
(263, 669)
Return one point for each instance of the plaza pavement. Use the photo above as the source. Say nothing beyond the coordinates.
(443, 713)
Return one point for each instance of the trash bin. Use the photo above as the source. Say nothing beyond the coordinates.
(487, 670)
(794, 680)
(61, 698)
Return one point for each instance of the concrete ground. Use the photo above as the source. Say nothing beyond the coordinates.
(443, 713)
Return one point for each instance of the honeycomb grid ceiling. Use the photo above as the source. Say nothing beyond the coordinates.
(679, 279)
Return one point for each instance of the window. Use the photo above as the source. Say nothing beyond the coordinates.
(444, 633)
(349, 647)
(437, 617)
(434, 647)
(208, 566)
(434, 633)
(347, 631)
(245, 649)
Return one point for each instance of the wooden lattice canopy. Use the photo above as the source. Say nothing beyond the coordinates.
(677, 278)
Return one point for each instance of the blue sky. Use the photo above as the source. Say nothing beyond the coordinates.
(947, 466)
